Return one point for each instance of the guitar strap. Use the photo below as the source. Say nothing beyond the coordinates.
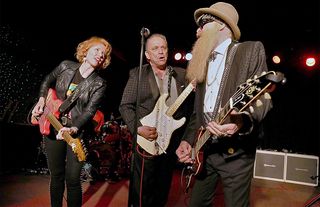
(209, 116)
(84, 85)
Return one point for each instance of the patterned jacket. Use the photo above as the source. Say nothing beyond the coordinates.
(249, 60)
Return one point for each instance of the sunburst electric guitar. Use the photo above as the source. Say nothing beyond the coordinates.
(247, 93)
(50, 117)
(161, 118)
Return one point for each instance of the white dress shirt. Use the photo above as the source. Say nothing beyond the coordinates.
(216, 68)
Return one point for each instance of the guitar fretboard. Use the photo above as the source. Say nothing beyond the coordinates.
(248, 88)
(57, 125)
(173, 108)
(74, 143)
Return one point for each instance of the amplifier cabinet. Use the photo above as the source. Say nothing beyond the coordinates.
(269, 165)
(302, 169)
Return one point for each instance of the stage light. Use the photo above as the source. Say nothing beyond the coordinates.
(276, 59)
(188, 56)
(178, 56)
(310, 61)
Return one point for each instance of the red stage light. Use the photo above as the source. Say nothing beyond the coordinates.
(310, 61)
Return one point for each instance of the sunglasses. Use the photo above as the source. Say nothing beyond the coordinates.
(207, 18)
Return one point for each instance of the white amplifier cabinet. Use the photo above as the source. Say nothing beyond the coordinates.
(269, 165)
(302, 169)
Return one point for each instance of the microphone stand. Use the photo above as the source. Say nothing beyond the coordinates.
(144, 33)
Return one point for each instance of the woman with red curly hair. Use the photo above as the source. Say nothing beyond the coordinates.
(63, 163)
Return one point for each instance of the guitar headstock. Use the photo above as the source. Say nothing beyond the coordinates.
(77, 148)
(254, 88)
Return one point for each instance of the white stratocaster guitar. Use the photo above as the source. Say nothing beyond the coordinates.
(161, 118)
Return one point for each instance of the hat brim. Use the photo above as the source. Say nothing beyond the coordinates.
(235, 29)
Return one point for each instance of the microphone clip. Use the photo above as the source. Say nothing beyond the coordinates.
(145, 32)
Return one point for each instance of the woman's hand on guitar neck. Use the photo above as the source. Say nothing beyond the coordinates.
(183, 152)
(70, 130)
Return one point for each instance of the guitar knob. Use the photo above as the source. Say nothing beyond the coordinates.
(251, 109)
(259, 103)
(267, 96)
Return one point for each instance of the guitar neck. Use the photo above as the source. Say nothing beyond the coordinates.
(251, 90)
(57, 125)
(223, 114)
(173, 108)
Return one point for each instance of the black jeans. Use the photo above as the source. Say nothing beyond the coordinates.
(152, 179)
(64, 170)
(235, 174)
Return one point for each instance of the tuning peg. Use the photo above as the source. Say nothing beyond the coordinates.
(267, 96)
(251, 109)
(259, 103)
(255, 77)
(263, 73)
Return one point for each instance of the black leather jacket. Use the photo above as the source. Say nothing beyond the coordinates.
(89, 100)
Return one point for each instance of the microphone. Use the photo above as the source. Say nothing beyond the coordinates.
(145, 32)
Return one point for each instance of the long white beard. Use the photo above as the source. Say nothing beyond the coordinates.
(201, 51)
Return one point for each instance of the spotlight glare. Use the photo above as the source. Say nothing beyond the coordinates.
(310, 61)
(276, 59)
(178, 56)
(188, 56)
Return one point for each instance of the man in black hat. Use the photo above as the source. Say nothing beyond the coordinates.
(220, 64)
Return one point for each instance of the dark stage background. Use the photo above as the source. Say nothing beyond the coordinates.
(36, 37)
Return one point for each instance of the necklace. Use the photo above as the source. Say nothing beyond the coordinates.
(214, 71)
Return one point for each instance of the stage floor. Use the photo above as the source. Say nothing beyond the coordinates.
(31, 190)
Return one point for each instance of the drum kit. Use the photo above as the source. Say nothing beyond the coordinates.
(109, 153)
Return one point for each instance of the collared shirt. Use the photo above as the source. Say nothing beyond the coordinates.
(216, 68)
(163, 87)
